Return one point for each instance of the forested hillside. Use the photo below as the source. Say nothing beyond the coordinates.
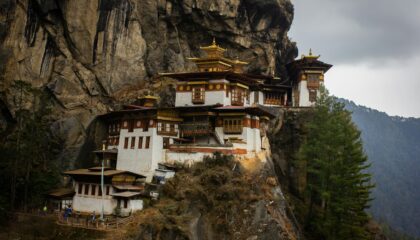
(393, 147)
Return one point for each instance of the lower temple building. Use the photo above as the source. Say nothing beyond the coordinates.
(219, 108)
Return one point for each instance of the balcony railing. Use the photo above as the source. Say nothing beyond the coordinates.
(232, 129)
(195, 129)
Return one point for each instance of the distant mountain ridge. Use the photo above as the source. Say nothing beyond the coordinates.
(393, 147)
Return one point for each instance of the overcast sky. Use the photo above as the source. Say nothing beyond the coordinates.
(374, 46)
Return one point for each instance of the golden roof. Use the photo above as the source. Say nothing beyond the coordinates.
(213, 47)
(310, 55)
(148, 97)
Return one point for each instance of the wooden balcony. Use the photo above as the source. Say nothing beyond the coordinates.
(195, 129)
(233, 129)
(273, 101)
(167, 133)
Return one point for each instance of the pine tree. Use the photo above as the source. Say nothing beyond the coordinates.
(338, 186)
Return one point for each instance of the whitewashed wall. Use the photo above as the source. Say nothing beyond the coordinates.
(89, 203)
(141, 161)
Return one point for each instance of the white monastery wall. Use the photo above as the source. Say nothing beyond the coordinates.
(140, 160)
(303, 94)
(89, 203)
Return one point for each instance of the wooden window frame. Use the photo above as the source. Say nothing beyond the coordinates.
(86, 192)
(79, 188)
(145, 124)
(198, 94)
(237, 96)
(313, 80)
(312, 95)
(166, 142)
(140, 143)
(233, 125)
(147, 145)
(93, 190)
(133, 142)
(126, 143)
(131, 125)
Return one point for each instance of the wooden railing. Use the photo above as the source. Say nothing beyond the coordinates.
(195, 129)
(233, 129)
(110, 223)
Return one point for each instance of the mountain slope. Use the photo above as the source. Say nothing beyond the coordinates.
(393, 147)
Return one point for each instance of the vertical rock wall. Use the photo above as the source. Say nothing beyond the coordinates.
(88, 55)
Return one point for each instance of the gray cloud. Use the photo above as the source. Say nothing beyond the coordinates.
(358, 30)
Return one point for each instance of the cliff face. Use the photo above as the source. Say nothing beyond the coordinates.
(89, 55)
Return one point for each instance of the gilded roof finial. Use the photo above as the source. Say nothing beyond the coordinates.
(214, 41)
(310, 55)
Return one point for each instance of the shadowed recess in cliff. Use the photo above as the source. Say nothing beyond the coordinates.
(119, 13)
(50, 52)
(32, 23)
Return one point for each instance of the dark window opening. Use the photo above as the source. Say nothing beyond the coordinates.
(126, 143)
(140, 145)
(93, 192)
(80, 188)
(147, 142)
(86, 189)
(133, 142)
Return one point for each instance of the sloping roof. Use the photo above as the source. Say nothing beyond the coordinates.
(128, 187)
(107, 173)
(114, 151)
(61, 193)
(200, 76)
(255, 109)
(125, 194)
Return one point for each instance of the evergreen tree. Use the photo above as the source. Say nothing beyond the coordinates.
(338, 186)
(28, 168)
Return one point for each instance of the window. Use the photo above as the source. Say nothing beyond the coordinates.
(140, 145)
(100, 191)
(198, 94)
(86, 189)
(107, 190)
(272, 98)
(125, 203)
(166, 128)
(313, 80)
(256, 97)
(145, 125)
(93, 192)
(165, 143)
(147, 142)
(133, 142)
(80, 187)
(312, 96)
(232, 125)
(237, 97)
(131, 126)
(126, 143)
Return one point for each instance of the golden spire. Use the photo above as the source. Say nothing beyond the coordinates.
(310, 55)
(214, 50)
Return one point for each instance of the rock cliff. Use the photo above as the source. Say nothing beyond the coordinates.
(91, 55)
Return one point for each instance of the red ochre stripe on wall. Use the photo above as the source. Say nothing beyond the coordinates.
(208, 150)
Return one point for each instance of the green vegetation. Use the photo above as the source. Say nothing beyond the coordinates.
(392, 144)
(321, 164)
(27, 166)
